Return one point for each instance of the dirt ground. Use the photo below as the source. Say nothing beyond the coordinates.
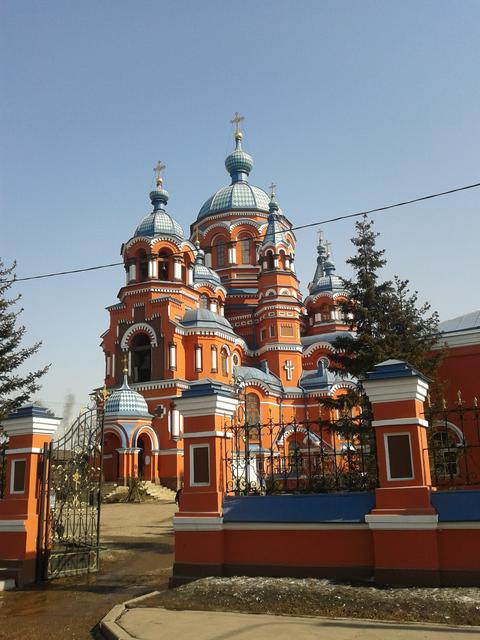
(311, 597)
(138, 557)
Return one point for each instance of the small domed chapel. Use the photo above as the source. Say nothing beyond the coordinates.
(220, 306)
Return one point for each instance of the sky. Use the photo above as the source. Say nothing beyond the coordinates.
(348, 106)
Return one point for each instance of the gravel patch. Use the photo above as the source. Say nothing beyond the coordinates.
(312, 597)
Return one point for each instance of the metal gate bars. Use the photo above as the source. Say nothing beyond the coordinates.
(69, 523)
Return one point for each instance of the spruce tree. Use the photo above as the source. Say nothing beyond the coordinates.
(15, 388)
(384, 316)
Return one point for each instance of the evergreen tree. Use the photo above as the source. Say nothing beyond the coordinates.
(15, 389)
(385, 316)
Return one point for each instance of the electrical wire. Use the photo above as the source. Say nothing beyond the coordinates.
(295, 228)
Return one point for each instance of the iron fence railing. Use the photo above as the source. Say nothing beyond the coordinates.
(308, 457)
(454, 445)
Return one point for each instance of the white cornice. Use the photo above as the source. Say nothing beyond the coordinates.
(395, 389)
(208, 405)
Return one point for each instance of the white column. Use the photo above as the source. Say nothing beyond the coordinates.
(154, 269)
(232, 254)
(177, 270)
(150, 268)
(275, 262)
(132, 272)
(213, 306)
(222, 310)
(175, 423)
(264, 265)
(214, 359)
(198, 357)
(190, 275)
(287, 262)
(292, 266)
(208, 258)
(172, 350)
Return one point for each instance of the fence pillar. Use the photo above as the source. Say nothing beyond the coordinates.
(29, 429)
(403, 522)
(204, 407)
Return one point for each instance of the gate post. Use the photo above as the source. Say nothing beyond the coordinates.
(199, 523)
(29, 429)
(403, 522)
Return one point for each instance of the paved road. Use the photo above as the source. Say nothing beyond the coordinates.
(152, 624)
(138, 556)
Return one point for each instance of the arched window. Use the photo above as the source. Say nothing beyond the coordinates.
(270, 261)
(294, 457)
(142, 266)
(203, 301)
(141, 350)
(446, 448)
(163, 270)
(245, 249)
(252, 416)
(224, 362)
(322, 365)
(219, 245)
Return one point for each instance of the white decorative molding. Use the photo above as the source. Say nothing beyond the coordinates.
(207, 434)
(406, 522)
(395, 422)
(26, 425)
(395, 389)
(213, 404)
(317, 345)
(12, 526)
(11, 452)
(197, 524)
(135, 328)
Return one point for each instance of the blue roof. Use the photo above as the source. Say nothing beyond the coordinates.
(206, 319)
(252, 373)
(126, 402)
(235, 197)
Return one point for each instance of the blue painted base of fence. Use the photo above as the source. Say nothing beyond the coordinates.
(326, 508)
(457, 506)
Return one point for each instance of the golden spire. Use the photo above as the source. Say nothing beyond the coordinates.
(125, 364)
(237, 118)
(157, 170)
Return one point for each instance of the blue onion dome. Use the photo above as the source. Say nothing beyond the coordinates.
(239, 163)
(239, 194)
(159, 222)
(325, 278)
(202, 273)
(126, 402)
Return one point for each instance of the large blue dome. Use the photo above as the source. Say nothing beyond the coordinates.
(236, 196)
(239, 195)
(159, 222)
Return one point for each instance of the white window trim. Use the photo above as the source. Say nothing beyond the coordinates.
(199, 484)
(12, 476)
(387, 455)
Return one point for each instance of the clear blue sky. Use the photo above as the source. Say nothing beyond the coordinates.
(348, 105)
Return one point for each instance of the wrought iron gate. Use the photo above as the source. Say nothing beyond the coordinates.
(69, 524)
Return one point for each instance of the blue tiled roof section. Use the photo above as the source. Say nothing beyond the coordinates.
(457, 506)
(31, 410)
(206, 319)
(207, 387)
(236, 196)
(252, 373)
(326, 337)
(126, 402)
(393, 369)
(159, 223)
(333, 508)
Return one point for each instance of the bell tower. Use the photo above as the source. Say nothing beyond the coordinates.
(279, 306)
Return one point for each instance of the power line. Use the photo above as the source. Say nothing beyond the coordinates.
(298, 227)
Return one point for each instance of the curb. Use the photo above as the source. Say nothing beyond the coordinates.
(108, 626)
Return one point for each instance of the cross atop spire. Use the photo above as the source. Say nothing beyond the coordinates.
(236, 120)
(157, 170)
(272, 188)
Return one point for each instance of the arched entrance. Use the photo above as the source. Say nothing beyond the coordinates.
(111, 442)
(146, 469)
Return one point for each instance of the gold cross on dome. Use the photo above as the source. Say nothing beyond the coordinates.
(237, 118)
(157, 170)
(125, 363)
